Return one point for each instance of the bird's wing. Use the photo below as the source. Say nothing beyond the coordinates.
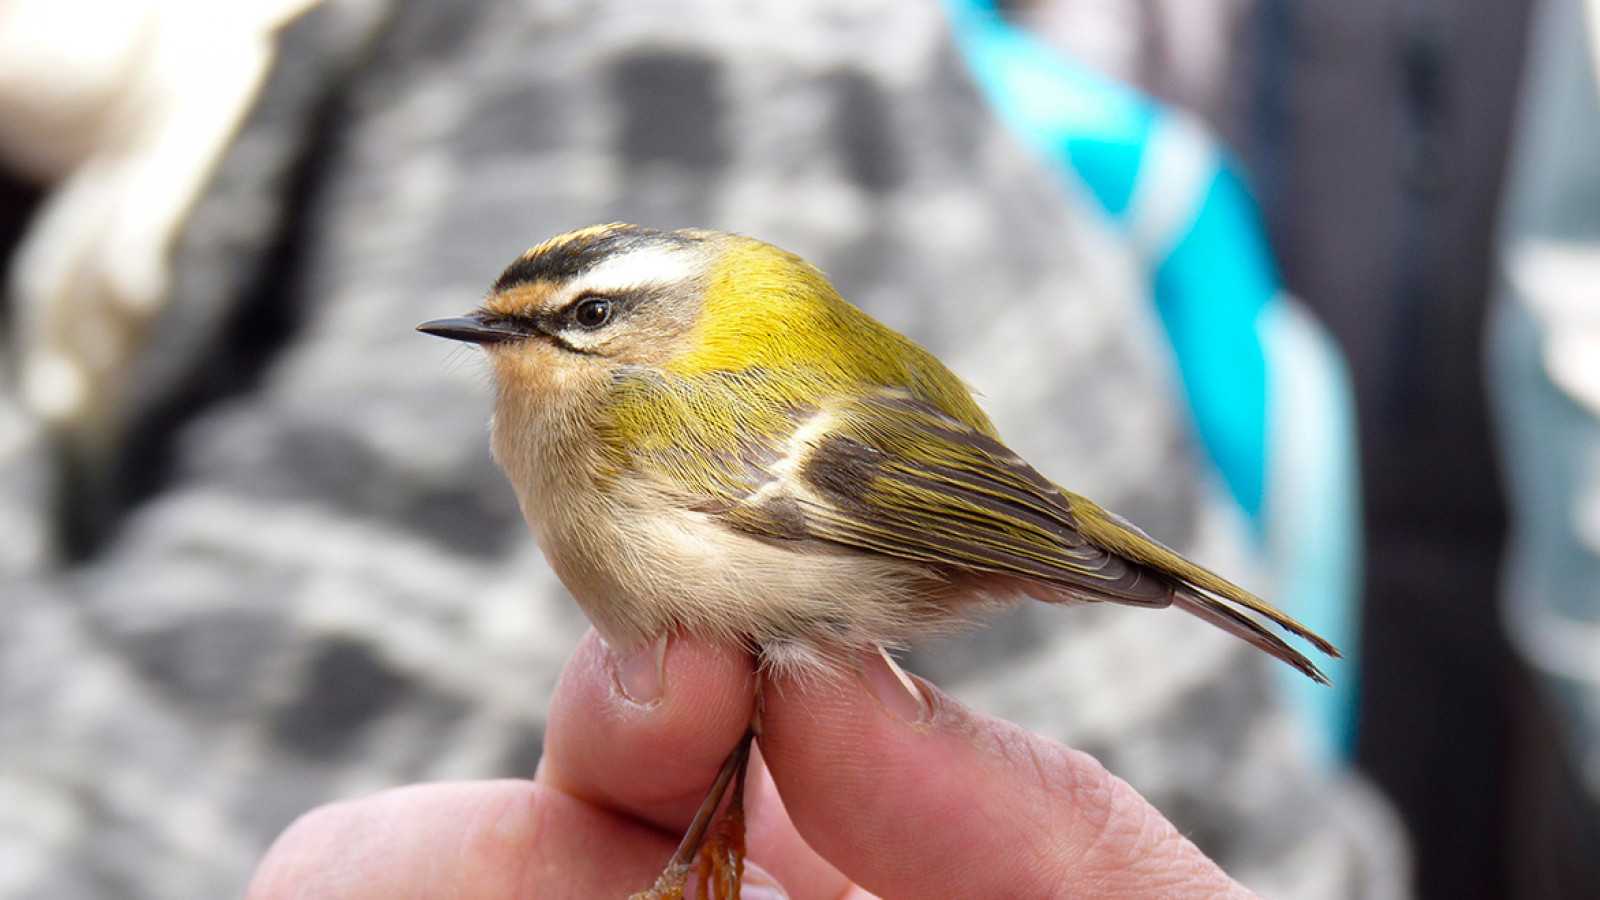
(892, 474)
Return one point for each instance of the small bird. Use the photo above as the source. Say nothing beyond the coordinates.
(706, 438)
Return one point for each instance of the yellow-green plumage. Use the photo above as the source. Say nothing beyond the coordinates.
(767, 309)
(736, 450)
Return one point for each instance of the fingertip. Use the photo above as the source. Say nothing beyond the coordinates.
(506, 838)
(647, 747)
(759, 884)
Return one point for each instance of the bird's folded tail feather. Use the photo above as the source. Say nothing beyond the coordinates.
(1245, 627)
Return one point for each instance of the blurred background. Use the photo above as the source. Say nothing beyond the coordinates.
(1309, 290)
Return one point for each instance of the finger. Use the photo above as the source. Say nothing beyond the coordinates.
(914, 795)
(647, 742)
(486, 840)
(773, 841)
(645, 736)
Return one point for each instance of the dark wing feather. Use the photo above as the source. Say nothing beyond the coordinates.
(899, 477)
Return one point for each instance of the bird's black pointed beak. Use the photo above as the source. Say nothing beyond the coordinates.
(476, 328)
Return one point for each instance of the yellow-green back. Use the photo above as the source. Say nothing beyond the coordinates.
(767, 310)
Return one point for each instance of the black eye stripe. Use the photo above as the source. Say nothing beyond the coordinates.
(589, 313)
(618, 305)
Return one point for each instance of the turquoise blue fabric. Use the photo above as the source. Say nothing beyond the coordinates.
(1237, 343)
(1210, 293)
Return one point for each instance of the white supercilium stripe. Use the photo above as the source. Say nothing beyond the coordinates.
(641, 267)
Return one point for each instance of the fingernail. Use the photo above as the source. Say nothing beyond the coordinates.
(895, 690)
(757, 884)
(640, 675)
(748, 891)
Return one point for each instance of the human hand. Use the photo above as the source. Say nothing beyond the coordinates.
(860, 788)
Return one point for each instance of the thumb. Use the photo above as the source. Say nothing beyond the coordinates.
(911, 794)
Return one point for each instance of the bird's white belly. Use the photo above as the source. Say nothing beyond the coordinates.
(644, 573)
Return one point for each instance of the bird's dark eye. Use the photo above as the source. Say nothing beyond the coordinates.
(592, 312)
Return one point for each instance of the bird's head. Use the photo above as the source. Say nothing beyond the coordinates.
(572, 314)
(614, 296)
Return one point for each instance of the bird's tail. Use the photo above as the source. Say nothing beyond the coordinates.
(1202, 592)
(1221, 613)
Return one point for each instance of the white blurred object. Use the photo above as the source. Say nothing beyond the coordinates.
(60, 82)
(124, 107)
(1560, 282)
(1594, 36)
(1545, 371)
(1178, 49)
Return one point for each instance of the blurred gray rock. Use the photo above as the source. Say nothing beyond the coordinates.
(27, 495)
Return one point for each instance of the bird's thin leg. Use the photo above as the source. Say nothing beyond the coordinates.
(722, 858)
(725, 851)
